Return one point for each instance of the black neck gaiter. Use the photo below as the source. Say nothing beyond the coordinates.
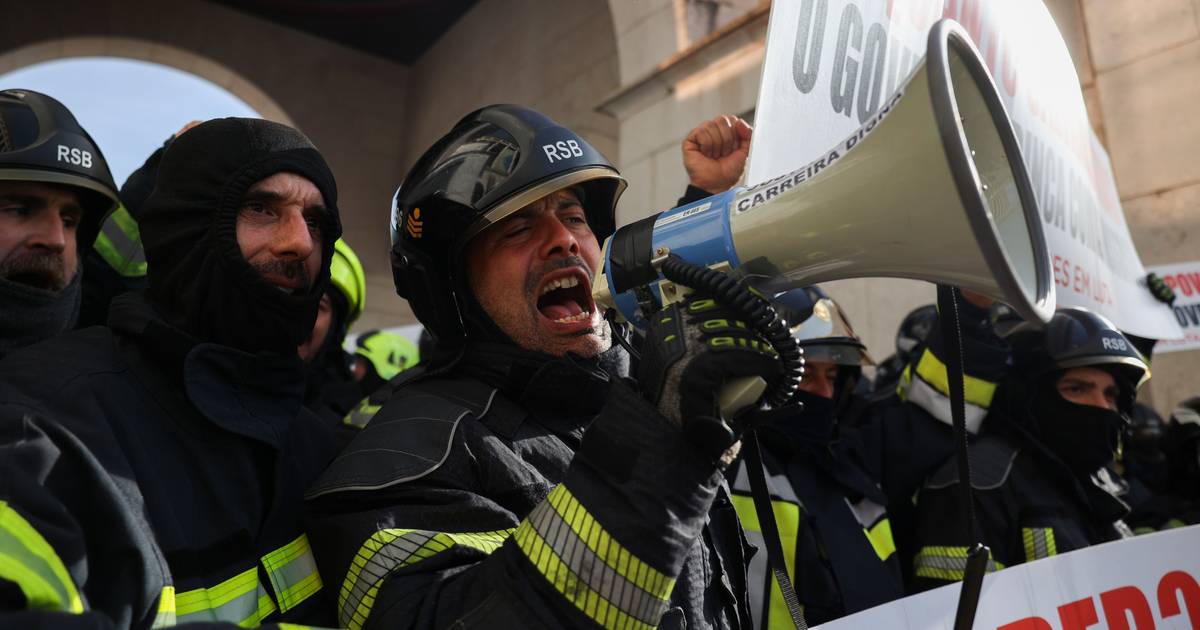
(1084, 437)
(32, 314)
(199, 278)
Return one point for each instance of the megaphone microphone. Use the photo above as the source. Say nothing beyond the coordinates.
(931, 188)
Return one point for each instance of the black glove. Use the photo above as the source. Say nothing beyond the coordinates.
(692, 349)
(1159, 289)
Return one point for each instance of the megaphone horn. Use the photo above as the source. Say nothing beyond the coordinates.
(931, 188)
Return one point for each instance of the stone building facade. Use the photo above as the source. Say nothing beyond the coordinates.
(632, 76)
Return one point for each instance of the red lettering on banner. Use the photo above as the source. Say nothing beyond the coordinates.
(1062, 275)
(1127, 599)
(1186, 283)
(1028, 623)
(1178, 584)
(1078, 615)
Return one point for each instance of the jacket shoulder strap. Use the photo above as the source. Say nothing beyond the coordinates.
(408, 438)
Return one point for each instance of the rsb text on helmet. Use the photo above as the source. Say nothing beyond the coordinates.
(71, 155)
(562, 150)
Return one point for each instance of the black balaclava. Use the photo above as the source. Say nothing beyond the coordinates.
(198, 276)
(330, 364)
(32, 314)
(1084, 437)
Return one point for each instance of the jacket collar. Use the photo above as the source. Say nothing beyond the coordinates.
(254, 395)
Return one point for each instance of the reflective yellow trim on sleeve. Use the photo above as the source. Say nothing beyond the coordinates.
(361, 414)
(592, 570)
(27, 560)
(881, 539)
(388, 550)
(241, 599)
(976, 391)
(946, 563)
(166, 608)
(1038, 543)
(292, 571)
(119, 243)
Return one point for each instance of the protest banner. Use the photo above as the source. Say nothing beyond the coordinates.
(830, 65)
(1144, 583)
(1184, 279)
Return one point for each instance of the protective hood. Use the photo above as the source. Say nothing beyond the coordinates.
(198, 276)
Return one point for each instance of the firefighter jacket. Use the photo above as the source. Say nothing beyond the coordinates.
(1028, 505)
(832, 522)
(147, 479)
(908, 437)
(516, 490)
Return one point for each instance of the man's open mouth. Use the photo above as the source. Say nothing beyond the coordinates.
(565, 296)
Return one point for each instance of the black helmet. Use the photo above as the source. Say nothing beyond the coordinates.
(914, 329)
(494, 162)
(40, 141)
(1077, 337)
(820, 327)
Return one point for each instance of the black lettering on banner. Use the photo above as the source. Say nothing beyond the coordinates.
(753, 197)
(872, 72)
(1187, 315)
(810, 39)
(845, 68)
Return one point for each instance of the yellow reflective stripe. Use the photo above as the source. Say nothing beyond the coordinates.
(119, 243)
(362, 414)
(787, 519)
(166, 608)
(27, 560)
(240, 599)
(293, 573)
(388, 550)
(881, 539)
(610, 551)
(976, 391)
(946, 563)
(1038, 542)
(606, 582)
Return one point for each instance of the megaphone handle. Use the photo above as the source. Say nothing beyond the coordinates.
(758, 314)
(739, 394)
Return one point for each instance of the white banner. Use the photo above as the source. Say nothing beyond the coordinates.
(1184, 278)
(1144, 583)
(829, 64)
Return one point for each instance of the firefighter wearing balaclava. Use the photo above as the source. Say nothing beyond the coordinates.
(55, 190)
(1040, 471)
(828, 505)
(153, 469)
(517, 478)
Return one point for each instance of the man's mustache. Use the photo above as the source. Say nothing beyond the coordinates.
(290, 269)
(533, 280)
(46, 270)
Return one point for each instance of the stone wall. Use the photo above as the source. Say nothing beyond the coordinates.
(351, 104)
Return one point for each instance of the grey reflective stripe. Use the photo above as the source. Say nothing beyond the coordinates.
(361, 414)
(388, 550)
(759, 578)
(777, 485)
(946, 563)
(293, 573)
(240, 599)
(120, 244)
(867, 512)
(927, 397)
(592, 569)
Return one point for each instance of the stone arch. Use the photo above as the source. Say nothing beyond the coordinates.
(154, 52)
